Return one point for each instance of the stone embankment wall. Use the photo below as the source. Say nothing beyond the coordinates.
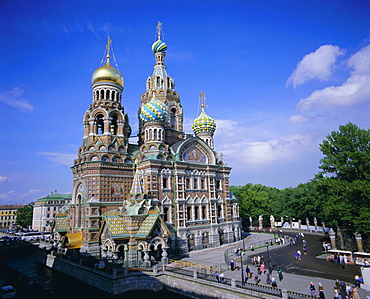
(154, 281)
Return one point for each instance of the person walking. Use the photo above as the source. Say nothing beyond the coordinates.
(312, 289)
(248, 272)
(217, 276)
(354, 294)
(336, 293)
(321, 291)
(263, 268)
(273, 282)
(280, 273)
(268, 279)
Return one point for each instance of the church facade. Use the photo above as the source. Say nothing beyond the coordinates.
(169, 193)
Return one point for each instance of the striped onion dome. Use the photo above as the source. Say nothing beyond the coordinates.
(159, 46)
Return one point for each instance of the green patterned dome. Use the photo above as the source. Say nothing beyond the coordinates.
(153, 111)
(204, 124)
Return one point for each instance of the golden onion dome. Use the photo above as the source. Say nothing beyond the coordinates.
(107, 73)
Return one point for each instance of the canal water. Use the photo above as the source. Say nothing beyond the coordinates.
(34, 280)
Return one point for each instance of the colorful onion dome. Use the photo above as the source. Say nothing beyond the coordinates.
(159, 46)
(153, 111)
(204, 124)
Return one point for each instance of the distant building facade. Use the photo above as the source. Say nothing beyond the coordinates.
(45, 209)
(8, 215)
(168, 193)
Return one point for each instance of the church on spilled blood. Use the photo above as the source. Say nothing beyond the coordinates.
(166, 194)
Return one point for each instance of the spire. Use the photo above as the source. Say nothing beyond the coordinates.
(107, 51)
(159, 30)
(202, 98)
(137, 186)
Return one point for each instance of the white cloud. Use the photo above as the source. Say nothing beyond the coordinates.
(360, 62)
(59, 158)
(354, 91)
(13, 98)
(316, 65)
(7, 194)
(298, 119)
(3, 178)
(31, 191)
(260, 145)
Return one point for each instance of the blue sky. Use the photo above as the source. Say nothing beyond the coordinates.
(279, 76)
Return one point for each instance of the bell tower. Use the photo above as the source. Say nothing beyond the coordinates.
(161, 86)
(103, 170)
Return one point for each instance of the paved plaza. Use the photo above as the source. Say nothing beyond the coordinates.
(297, 274)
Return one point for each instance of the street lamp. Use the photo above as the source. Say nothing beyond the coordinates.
(268, 256)
(241, 261)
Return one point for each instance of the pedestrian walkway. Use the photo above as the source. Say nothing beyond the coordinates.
(290, 282)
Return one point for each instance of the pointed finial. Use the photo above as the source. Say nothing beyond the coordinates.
(159, 30)
(202, 98)
(108, 46)
(222, 156)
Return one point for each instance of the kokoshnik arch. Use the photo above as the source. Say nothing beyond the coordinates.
(169, 193)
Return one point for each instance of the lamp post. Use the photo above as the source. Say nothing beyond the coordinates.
(268, 256)
(241, 262)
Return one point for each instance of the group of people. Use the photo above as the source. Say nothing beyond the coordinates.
(341, 290)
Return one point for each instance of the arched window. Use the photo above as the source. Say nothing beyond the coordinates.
(108, 94)
(99, 124)
(155, 134)
(113, 95)
(102, 94)
(173, 118)
(113, 125)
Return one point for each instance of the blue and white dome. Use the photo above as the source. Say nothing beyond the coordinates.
(153, 111)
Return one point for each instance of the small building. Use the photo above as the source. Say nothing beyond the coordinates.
(8, 215)
(46, 208)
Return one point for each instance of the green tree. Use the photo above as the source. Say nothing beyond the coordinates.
(253, 201)
(343, 184)
(24, 215)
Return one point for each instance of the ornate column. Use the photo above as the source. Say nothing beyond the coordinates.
(250, 223)
(359, 241)
(315, 223)
(299, 225)
(332, 239)
(132, 251)
(146, 258)
(164, 255)
(323, 226)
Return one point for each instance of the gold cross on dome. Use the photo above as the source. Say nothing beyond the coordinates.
(202, 97)
(108, 45)
(159, 29)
